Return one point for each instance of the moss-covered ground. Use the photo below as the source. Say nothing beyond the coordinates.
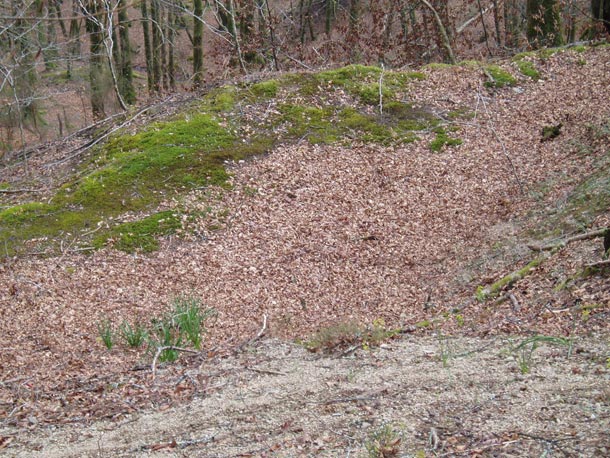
(132, 173)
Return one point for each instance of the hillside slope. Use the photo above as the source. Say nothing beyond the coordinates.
(388, 211)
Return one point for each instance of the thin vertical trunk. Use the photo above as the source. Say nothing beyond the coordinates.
(497, 23)
(125, 68)
(155, 7)
(171, 36)
(74, 48)
(486, 36)
(198, 43)
(147, 45)
(96, 60)
(331, 11)
(442, 31)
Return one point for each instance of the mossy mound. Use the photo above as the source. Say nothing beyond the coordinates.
(132, 173)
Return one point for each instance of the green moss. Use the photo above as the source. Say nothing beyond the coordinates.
(132, 173)
(528, 69)
(220, 100)
(460, 113)
(313, 123)
(443, 139)
(369, 93)
(579, 48)
(547, 52)
(423, 324)
(470, 64)
(140, 235)
(348, 75)
(437, 66)
(265, 88)
(20, 214)
(500, 77)
(484, 293)
(523, 55)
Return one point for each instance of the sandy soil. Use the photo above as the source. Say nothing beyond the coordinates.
(440, 396)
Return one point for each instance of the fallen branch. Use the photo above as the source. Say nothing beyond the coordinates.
(265, 371)
(491, 291)
(598, 265)
(162, 349)
(18, 191)
(481, 13)
(563, 243)
(255, 338)
(81, 149)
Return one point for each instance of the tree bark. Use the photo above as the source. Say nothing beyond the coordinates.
(93, 25)
(198, 43)
(543, 23)
(125, 68)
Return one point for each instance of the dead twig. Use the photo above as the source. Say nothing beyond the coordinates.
(565, 242)
(515, 302)
(597, 265)
(81, 149)
(19, 191)
(255, 338)
(265, 371)
(492, 129)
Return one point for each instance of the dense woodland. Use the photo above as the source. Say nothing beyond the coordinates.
(67, 63)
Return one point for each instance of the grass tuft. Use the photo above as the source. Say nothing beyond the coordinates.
(106, 332)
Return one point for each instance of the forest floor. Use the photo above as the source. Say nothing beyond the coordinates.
(394, 237)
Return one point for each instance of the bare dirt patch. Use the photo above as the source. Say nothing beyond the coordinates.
(443, 396)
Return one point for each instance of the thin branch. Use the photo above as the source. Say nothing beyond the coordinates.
(255, 338)
(600, 264)
(442, 30)
(504, 150)
(563, 243)
(81, 149)
(18, 191)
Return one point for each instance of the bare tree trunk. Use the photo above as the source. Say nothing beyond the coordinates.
(236, 39)
(155, 7)
(442, 30)
(125, 68)
(147, 45)
(497, 23)
(198, 43)
(93, 26)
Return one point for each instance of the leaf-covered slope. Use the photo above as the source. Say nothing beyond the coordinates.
(325, 229)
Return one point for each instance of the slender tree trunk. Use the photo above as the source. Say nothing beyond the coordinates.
(125, 68)
(74, 48)
(271, 36)
(171, 37)
(497, 23)
(235, 35)
(147, 45)
(442, 31)
(601, 12)
(484, 27)
(331, 11)
(96, 60)
(155, 7)
(198, 43)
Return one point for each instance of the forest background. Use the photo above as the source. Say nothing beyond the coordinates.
(66, 64)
